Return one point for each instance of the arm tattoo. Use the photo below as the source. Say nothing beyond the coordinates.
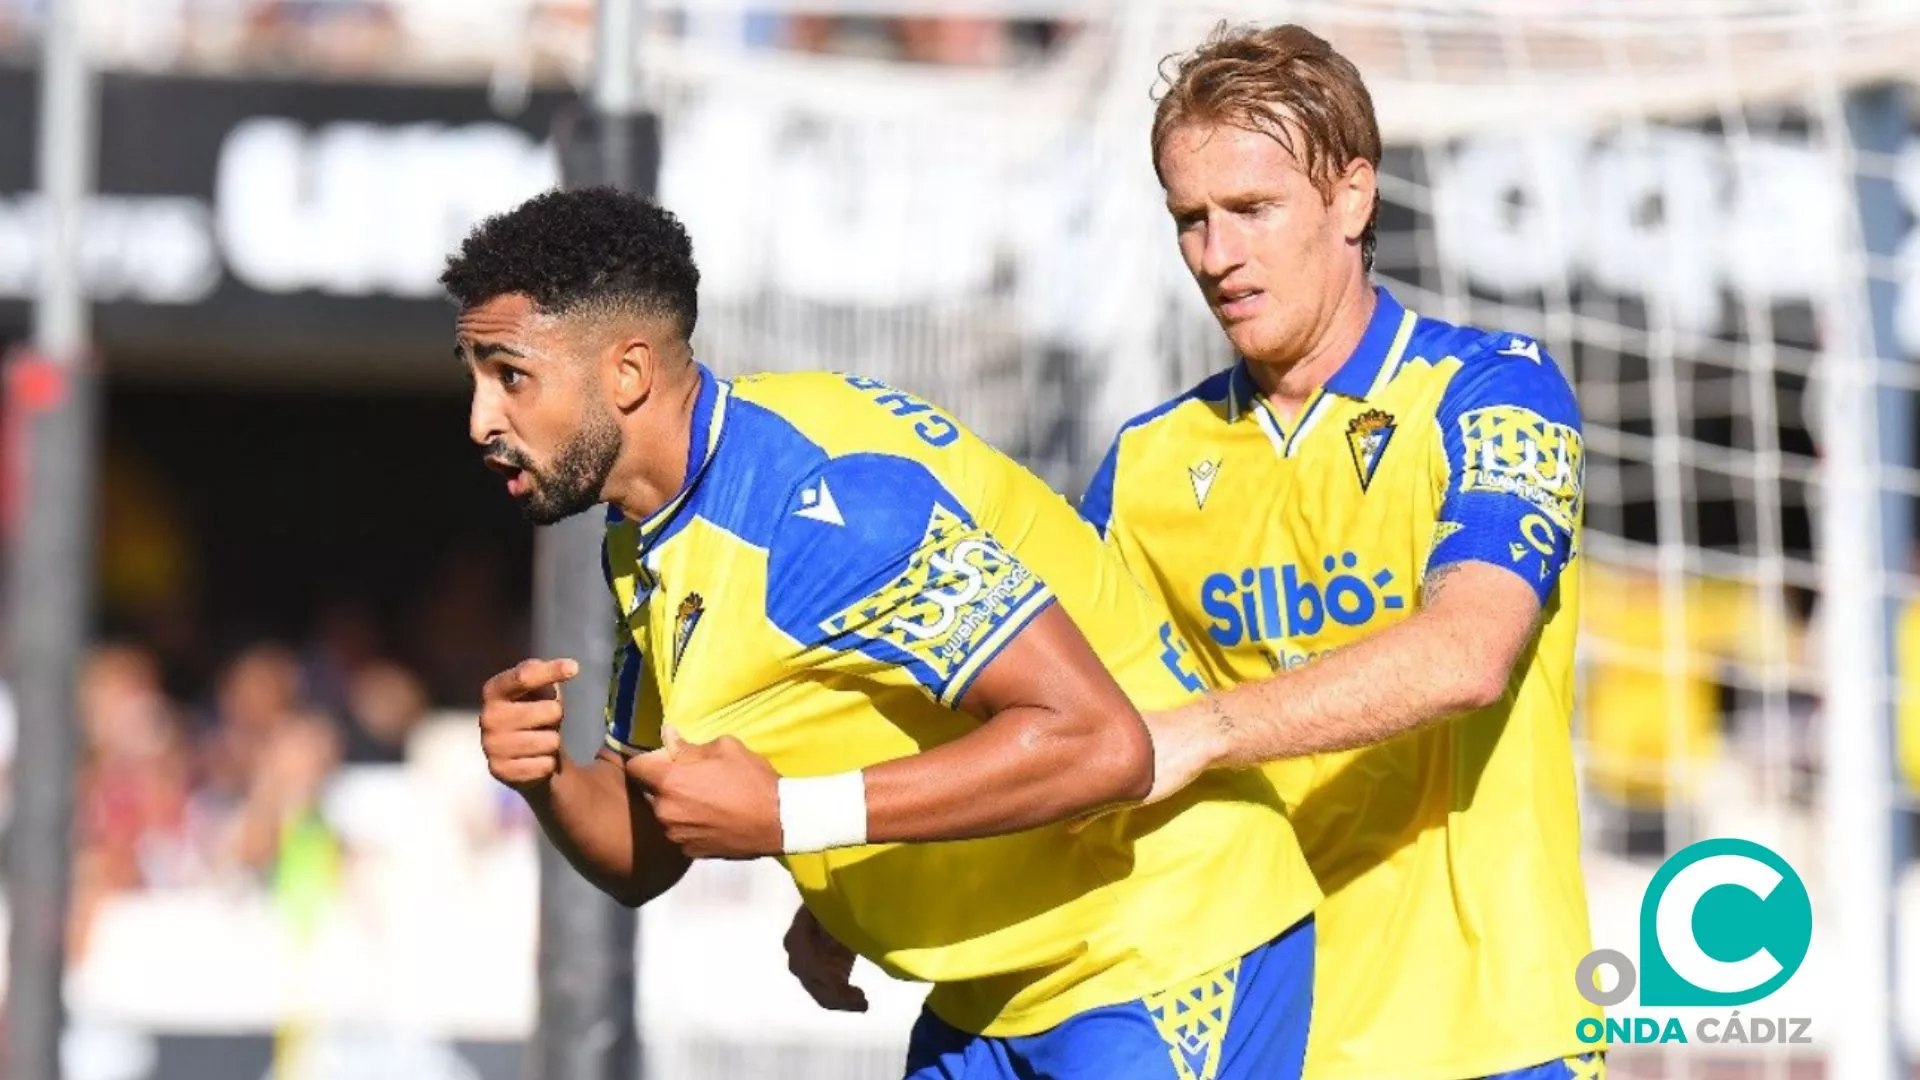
(1436, 582)
(1430, 589)
(1221, 720)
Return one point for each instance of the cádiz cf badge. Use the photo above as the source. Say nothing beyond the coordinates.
(690, 611)
(1367, 436)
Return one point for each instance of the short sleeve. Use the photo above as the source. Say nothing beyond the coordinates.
(1096, 503)
(1098, 509)
(874, 557)
(1510, 431)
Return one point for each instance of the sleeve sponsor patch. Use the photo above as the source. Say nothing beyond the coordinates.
(952, 606)
(1515, 451)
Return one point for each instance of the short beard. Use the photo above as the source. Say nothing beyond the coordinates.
(578, 479)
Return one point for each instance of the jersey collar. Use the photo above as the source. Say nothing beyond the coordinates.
(709, 416)
(1380, 351)
(1367, 372)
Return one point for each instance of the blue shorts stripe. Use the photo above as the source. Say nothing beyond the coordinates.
(1245, 1021)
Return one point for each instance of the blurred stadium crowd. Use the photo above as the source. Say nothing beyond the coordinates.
(207, 749)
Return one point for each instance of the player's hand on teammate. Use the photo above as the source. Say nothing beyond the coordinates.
(823, 965)
(716, 800)
(520, 722)
(1185, 744)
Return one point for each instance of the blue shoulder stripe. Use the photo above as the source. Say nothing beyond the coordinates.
(760, 460)
(1096, 503)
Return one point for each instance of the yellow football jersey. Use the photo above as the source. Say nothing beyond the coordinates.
(1455, 911)
(842, 562)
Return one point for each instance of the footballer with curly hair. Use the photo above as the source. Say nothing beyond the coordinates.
(848, 628)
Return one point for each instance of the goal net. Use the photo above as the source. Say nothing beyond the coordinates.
(1701, 207)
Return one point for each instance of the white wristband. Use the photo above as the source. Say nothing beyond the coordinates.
(821, 812)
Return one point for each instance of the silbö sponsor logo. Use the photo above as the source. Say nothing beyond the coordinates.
(1270, 603)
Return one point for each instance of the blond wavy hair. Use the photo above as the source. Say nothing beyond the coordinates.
(1283, 81)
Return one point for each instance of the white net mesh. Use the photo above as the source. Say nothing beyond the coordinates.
(1671, 195)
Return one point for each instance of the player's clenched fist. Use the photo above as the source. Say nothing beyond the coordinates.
(823, 965)
(520, 722)
(716, 800)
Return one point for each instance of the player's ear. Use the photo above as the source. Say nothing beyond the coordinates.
(1354, 197)
(634, 369)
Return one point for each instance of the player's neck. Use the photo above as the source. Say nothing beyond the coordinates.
(1289, 382)
(653, 467)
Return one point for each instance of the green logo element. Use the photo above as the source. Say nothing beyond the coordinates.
(1724, 922)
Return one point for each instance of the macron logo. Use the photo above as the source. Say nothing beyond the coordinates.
(816, 504)
(1202, 474)
(1522, 347)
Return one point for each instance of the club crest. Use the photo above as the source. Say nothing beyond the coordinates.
(1367, 436)
(683, 626)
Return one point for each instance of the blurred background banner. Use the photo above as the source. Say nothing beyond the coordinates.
(273, 229)
(1704, 210)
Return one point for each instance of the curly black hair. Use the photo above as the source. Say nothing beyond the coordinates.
(591, 247)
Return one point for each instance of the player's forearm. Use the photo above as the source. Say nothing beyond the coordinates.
(605, 832)
(1362, 695)
(1445, 660)
(1027, 767)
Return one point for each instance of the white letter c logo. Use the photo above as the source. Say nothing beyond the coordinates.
(1673, 922)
